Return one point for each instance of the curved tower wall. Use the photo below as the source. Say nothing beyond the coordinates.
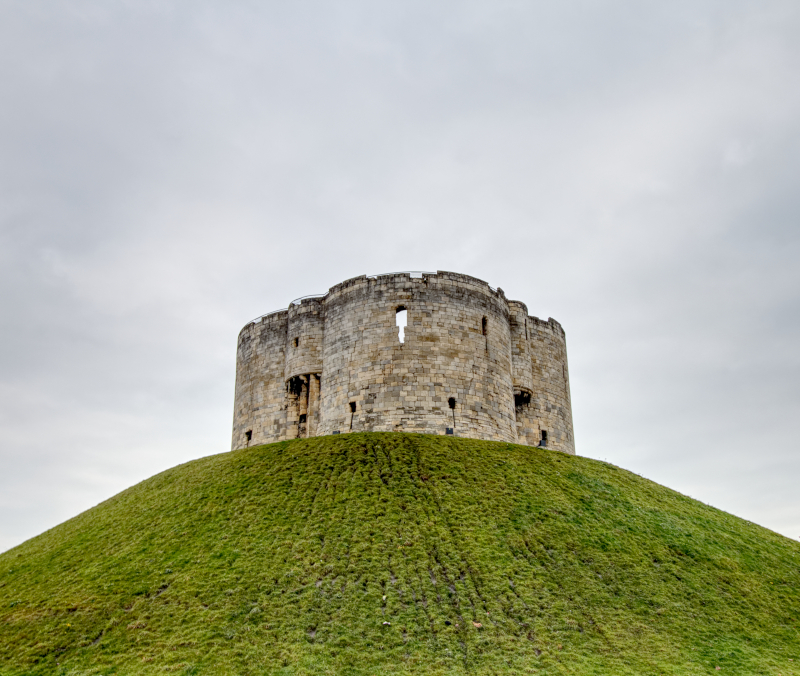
(259, 406)
(302, 372)
(305, 329)
(335, 364)
(551, 404)
(520, 347)
(372, 381)
(527, 427)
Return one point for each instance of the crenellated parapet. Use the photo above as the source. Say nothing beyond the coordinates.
(469, 362)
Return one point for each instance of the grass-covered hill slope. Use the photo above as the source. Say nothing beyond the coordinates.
(400, 554)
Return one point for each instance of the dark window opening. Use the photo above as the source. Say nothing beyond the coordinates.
(522, 399)
(401, 321)
(451, 402)
(296, 342)
(295, 386)
(543, 442)
(303, 417)
(249, 434)
(484, 322)
(352, 407)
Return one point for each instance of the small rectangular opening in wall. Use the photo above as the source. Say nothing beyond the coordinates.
(484, 324)
(302, 418)
(543, 442)
(352, 407)
(296, 342)
(448, 430)
(249, 435)
(294, 386)
(401, 321)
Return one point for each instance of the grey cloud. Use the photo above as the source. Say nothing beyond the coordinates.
(170, 170)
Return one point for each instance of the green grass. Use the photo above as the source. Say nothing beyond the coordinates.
(290, 558)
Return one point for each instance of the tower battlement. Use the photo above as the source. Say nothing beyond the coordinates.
(467, 362)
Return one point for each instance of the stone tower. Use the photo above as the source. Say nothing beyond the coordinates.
(469, 362)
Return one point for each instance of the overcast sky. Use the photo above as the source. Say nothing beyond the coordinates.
(170, 170)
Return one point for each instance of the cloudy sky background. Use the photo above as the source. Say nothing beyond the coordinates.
(170, 170)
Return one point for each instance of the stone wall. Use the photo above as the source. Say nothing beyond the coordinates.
(305, 330)
(260, 400)
(544, 413)
(472, 363)
(407, 386)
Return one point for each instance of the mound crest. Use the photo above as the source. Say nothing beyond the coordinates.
(389, 553)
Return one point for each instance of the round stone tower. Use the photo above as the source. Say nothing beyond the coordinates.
(466, 361)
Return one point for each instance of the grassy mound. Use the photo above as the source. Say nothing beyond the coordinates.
(400, 554)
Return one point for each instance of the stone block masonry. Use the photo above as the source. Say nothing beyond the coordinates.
(471, 363)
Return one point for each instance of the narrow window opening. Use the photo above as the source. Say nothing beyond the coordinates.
(522, 400)
(352, 407)
(451, 402)
(543, 442)
(484, 322)
(401, 321)
(296, 342)
(294, 386)
(303, 417)
(249, 435)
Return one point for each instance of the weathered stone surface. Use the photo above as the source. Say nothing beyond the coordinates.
(471, 361)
